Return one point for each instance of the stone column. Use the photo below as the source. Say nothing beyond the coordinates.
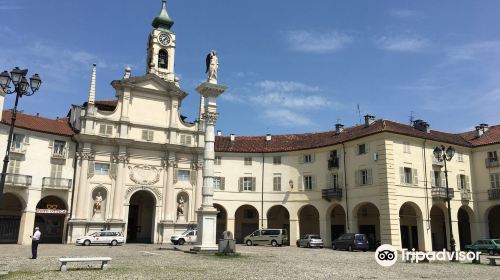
(121, 160)
(169, 207)
(207, 214)
(199, 185)
(294, 233)
(82, 204)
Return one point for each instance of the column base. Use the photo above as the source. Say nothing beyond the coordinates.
(207, 226)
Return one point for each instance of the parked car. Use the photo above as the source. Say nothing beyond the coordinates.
(112, 238)
(273, 237)
(310, 240)
(492, 246)
(189, 236)
(351, 242)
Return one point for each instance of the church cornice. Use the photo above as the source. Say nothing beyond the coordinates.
(132, 83)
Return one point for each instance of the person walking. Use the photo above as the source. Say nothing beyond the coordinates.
(35, 238)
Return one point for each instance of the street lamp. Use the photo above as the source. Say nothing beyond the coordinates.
(443, 154)
(21, 88)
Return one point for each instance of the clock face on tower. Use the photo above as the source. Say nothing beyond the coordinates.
(164, 38)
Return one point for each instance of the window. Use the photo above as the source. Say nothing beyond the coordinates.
(248, 161)
(147, 135)
(333, 181)
(14, 166)
(183, 175)
(364, 177)
(101, 168)
(460, 157)
(277, 182)
(163, 59)
(495, 180)
(56, 170)
(186, 139)
(17, 142)
(308, 158)
(438, 179)
(492, 156)
(308, 182)
(217, 183)
(277, 160)
(362, 149)
(406, 147)
(463, 181)
(59, 148)
(247, 183)
(333, 154)
(408, 176)
(105, 129)
(217, 160)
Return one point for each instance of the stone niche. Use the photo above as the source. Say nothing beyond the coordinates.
(99, 200)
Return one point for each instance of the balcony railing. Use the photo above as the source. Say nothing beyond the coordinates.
(333, 193)
(437, 162)
(333, 163)
(465, 195)
(494, 194)
(18, 180)
(21, 149)
(56, 183)
(440, 193)
(60, 154)
(492, 162)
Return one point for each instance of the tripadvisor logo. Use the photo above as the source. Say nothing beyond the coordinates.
(386, 255)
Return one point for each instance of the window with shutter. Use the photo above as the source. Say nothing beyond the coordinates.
(433, 178)
(402, 175)
(415, 176)
(222, 183)
(369, 175)
(254, 183)
(240, 184)
(277, 182)
(56, 170)
(14, 166)
(217, 183)
(248, 160)
(218, 160)
(443, 180)
(467, 182)
(144, 135)
(109, 130)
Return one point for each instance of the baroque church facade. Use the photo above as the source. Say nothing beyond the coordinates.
(132, 164)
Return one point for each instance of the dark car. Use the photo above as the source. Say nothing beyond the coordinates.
(351, 242)
(492, 246)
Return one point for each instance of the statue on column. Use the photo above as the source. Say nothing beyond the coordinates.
(212, 63)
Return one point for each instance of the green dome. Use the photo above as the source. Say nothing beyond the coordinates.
(163, 20)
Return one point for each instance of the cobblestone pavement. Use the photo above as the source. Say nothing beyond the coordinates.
(134, 261)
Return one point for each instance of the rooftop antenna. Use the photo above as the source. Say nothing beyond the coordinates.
(358, 111)
(412, 117)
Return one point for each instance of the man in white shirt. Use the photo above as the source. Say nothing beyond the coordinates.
(35, 238)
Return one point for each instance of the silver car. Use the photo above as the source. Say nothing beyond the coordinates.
(310, 240)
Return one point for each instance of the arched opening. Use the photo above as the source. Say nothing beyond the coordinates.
(308, 220)
(279, 217)
(50, 214)
(464, 230)
(411, 227)
(246, 222)
(438, 229)
(163, 59)
(141, 216)
(368, 218)
(494, 222)
(11, 209)
(221, 221)
(337, 222)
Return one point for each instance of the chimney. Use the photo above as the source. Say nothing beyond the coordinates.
(219, 132)
(422, 126)
(481, 129)
(232, 136)
(369, 120)
(339, 128)
(268, 137)
(484, 127)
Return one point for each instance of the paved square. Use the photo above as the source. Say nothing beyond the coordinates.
(134, 261)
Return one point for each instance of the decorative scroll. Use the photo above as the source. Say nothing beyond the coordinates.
(144, 174)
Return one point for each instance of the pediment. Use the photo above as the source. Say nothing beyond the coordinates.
(150, 82)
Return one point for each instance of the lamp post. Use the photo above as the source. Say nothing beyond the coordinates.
(21, 88)
(443, 154)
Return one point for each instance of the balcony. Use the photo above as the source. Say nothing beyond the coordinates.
(333, 163)
(60, 154)
(333, 193)
(18, 149)
(492, 162)
(437, 162)
(440, 193)
(494, 194)
(56, 183)
(465, 195)
(18, 180)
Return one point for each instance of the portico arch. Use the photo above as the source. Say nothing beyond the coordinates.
(411, 226)
(278, 217)
(11, 208)
(465, 217)
(308, 220)
(141, 217)
(246, 222)
(337, 217)
(50, 217)
(494, 221)
(438, 228)
(221, 220)
(368, 218)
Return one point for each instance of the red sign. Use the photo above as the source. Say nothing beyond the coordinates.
(51, 211)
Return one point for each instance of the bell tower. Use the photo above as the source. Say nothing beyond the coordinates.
(161, 47)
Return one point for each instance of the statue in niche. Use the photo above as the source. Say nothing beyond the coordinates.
(212, 63)
(180, 207)
(97, 202)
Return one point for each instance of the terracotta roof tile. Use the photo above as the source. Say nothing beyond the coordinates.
(295, 142)
(492, 136)
(40, 124)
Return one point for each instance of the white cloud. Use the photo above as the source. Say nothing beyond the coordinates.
(286, 117)
(402, 44)
(305, 41)
(286, 100)
(474, 51)
(404, 14)
(286, 86)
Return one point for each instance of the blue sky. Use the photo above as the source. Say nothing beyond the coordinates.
(291, 66)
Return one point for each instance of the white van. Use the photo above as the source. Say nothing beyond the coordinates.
(189, 236)
(274, 237)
